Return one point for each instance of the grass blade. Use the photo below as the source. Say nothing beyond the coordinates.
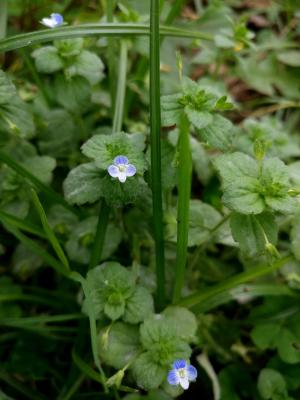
(20, 387)
(106, 30)
(184, 192)
(21, 224)
(93, 326)
(49, 192)
(121, 88)
(155, 125)
(37, 249)
(100, 234)
(49, 232)
(230, 283)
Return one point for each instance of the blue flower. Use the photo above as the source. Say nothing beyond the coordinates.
(54, 20)
(121, 169)
(181, 374)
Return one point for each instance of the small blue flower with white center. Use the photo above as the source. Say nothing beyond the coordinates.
(182, 374)
(54, 20)
(121, 169)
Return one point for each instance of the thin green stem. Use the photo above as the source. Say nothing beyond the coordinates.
(184, 192)
(231, 283)
(121, 88)
(3, 18)
(155, 125)
(93, 326)
(73, 389)
(111, 50)
(100, 234)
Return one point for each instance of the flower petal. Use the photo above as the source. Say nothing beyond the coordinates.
(122, 176)
(113, 171)
(178, 364)
(173, 377)
(191, 372)
(57, 18)
(184, 382)
(130, 170)
(121, 160)
(48, 22)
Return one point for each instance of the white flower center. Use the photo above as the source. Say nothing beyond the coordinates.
(181, 372)
(122, 168)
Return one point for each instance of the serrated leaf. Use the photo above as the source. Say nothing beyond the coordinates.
(138, 306)
(218, 134)
(41, 167)
(200, 119)
(104, 148)
(147, 374)
(83, 184)
(112, 285)
(88, 65)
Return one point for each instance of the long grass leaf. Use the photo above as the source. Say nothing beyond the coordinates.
(155, 126)
(106, 30)
(49, 232)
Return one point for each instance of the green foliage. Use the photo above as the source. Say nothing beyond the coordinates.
(89, 264)
(250, 188)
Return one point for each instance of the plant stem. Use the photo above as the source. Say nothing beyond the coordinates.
(230, 283)
(121, 88)
(3, 18)
(110, 6)
(155, 124)
(100, 234)
(184, 192)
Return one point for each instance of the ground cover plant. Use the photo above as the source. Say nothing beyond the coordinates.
(149, 199)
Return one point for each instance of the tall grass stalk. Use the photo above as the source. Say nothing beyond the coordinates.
(155, 124)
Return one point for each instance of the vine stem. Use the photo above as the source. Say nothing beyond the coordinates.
(155, 125)
(184, 192)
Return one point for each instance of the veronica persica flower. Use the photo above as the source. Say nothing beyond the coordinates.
(54, 20)
(121, 169)
(182, 374)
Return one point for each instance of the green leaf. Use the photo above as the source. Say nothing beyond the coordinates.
(200, 119)
(218, 134)
(185, 322)
(104, 148)
(88, 65)
(265, 335)
(271, 385)
(251, 232)
(249, 190)
(59, 136)
(73, 94)
(83, 184)
(112, 285)
(15, 117)
(41, 167)
(81, 239)
(287, 345)
(289, 57)
(69, 47)
(47, 60)
(7, 89)
(162, 339)
(138, 306)
(202, 218)
(148, 374)
(119, 344)
(170, 109)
